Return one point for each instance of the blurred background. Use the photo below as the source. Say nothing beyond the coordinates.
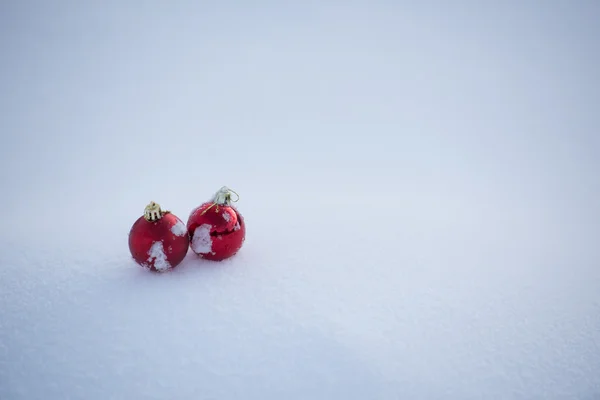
(420, 183)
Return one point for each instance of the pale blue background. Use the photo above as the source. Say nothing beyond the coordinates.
(420, 182)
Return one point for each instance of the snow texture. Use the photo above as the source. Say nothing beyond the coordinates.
(158, 256)
(226, 216)
(179, 229)
(201, 240)
(419, 180)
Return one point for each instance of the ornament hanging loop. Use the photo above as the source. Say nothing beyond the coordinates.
(222, 198)
(237, 196)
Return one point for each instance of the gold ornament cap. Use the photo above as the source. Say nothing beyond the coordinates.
(153, 212)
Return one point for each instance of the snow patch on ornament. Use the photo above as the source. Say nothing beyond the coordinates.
(157, 252)
(226, 216)
(202, 241)
(179, 229)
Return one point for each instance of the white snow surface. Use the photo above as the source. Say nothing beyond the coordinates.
(201, 240)
(419, 183)
(179, 229)
(157, 255)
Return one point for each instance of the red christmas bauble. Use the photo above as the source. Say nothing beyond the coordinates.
(158, 240)
(216, 229)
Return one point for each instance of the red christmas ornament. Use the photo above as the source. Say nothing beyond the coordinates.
(158, 240)
(216, 228)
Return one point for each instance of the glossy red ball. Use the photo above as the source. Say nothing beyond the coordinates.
(216, 232)
(159, 245)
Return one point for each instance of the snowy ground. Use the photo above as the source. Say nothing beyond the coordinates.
(420, 186)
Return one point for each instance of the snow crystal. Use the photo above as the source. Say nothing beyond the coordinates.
(157, 252)
(202, 241)
(179, 229)
(226, 216)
